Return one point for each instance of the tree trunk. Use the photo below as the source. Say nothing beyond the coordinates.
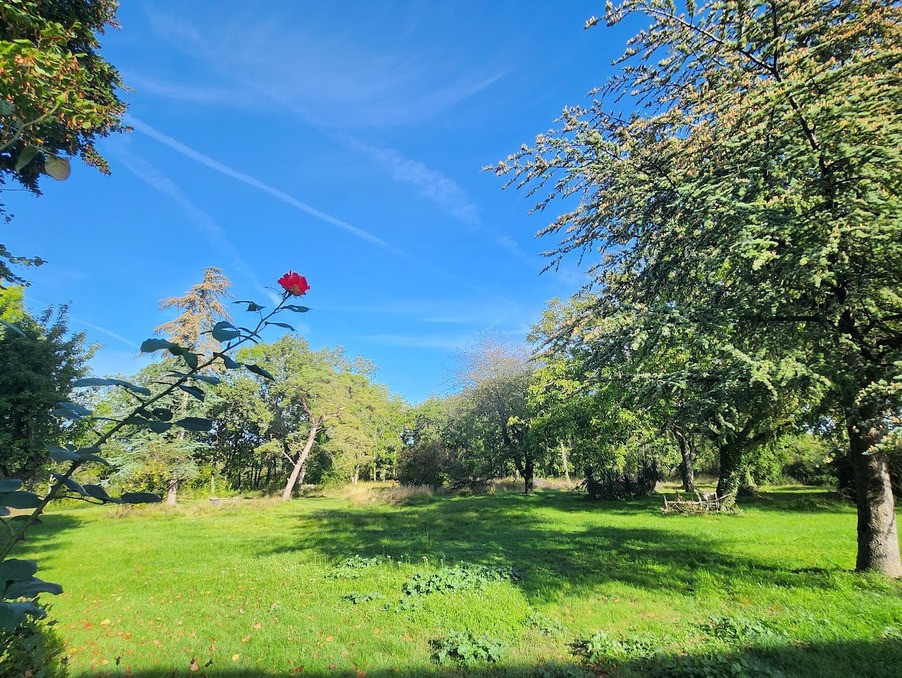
(687, 457)
(299, 464)
(733, 461)
(528, 475)
(172, 492)
(565, 461)
(878, 537)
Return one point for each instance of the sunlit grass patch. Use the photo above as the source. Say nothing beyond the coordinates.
(323, 582)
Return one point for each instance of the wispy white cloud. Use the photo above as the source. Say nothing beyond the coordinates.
(203, 222)
(345, 75)
(222, 168)
(199, 93)
(434, 341)
(103, 330)
(431, 184)
(360, 233)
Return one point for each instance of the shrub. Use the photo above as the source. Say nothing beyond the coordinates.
(466, 648)
(612, 483)
(33, 649)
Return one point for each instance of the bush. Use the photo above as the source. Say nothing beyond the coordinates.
(466, 648)
(33, 649)
(611, 483)
(802, 458)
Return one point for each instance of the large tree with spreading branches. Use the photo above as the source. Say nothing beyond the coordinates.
(741, 174)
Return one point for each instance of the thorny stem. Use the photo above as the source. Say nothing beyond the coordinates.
(103, 438)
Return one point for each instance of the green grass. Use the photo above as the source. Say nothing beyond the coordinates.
(258, 589)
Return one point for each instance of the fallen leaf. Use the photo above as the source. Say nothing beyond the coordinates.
(245, 639)
(258, 626)
(329, 639)
(376, 632)
(105, 622)
(194, 666)
(126, 635)
(361, 674)
(236, 657)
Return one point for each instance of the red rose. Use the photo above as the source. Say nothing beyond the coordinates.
(294, 283)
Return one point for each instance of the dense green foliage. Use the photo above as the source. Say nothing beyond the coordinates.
(58, 95)
(288, 584)
(41, 361)
(743, 223)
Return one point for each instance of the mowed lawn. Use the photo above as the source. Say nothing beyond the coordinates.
(265, 588)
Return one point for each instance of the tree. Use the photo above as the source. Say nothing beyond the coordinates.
(494, 404)
(310, 391)
(201, 309)
(41, 362)
(755, 190)
(58, 95)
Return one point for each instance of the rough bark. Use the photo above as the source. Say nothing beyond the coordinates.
(733, 461)
(878, 536)
(687, 458)
(528, 475)
(172, 492)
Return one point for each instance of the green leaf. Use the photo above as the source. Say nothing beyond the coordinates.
(72, 411)
(296, 308)
(57, 167)
(228, 362)
(6, 108)
(209, 379)
(15, 569)
(71, 484)
(96, 381)
(13, 614)
(256, 369)
(9, 484)
(199, 424)
(192, 391)
(285, 325)
(151, 345)
(12, 327)
(224, 331)
(251, 305)
(88, 455)
(98, 492)
(31, 588)
(26, 156)
(141, 498)
(190, 359)
(159, 426)
(162, 413)
(61, 454)
(20, 499)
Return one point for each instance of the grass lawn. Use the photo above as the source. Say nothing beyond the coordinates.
(265, 588)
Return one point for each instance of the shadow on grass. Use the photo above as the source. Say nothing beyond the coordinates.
(49, 534)
(862, 659)
(551, 553)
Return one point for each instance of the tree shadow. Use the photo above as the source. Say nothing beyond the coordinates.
(46, 536)
(549, 559)
(862, 659)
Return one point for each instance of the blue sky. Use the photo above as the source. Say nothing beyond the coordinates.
(343, 140)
